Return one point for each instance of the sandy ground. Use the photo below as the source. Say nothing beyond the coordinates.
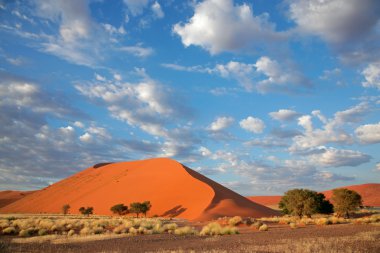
(280, 238)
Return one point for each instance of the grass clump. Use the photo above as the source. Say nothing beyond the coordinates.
(42, 232)
(215, 228)
(234, 221)
(293, 225)
(25, 233)
(263, 227)
(187, 230)
(9, 231)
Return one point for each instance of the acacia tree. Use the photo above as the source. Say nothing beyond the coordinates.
(86, 211)
(345, 201)
(138, 207)
(119, 209)
(65, 209)
(302, 202)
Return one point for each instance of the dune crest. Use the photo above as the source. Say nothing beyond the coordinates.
(173, 189)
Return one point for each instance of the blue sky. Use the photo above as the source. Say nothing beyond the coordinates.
(261, 96)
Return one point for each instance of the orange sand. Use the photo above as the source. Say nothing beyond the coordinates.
(172, 189)
(370, 194)
(8, 197)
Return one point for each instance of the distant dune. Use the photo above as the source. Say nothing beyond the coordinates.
(8, 197)
(369, 192)
(173, 189)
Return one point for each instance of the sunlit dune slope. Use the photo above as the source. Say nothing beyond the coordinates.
(172, 189)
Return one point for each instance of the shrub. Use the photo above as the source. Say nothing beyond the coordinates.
(71, 232)
(235, 221)
(9, 231)
(185, 231)
(119, 209)
(292, 225)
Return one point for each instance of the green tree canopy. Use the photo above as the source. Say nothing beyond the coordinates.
(302, 202)
(346, 201)
(119, 209)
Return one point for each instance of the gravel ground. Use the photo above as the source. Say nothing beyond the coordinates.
(279, 238)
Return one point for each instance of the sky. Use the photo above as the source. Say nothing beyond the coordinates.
(260, 96)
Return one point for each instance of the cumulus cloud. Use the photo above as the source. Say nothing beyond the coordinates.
(25, 135)
(336, 20)
(241, 72)
(252, 124)
(331, 157)
(332, 130)
(221, 123)
(369, 133)
(378, 167)
(218, 26)
(372, 75)
(149, 106)
(284, 115)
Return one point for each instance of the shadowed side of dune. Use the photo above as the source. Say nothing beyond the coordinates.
(229, 203)
(8, 197)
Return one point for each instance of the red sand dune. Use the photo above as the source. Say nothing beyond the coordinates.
(370, 194)
(8, 197)
(266, 200)
(172, 189)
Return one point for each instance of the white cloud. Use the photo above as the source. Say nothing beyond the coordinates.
(205, 151)
(252, 124)
(136, 7)
(372, 75)
(332, 130)
(219, 25)
(284, 115)
(331, 157)
(369, 133)
(336, 20)
(378, 167)
(239, 71)
(138, 51)
(221, 123)
(278, 76)
(157, 10)
(86, 137)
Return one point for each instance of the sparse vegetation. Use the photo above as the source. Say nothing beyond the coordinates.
(346, 201)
